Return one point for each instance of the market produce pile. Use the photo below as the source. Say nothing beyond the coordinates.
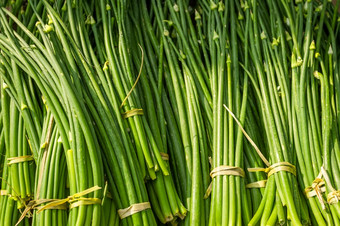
(153, 112)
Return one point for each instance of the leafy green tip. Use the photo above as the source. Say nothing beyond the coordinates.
(288, 36)
(169, 22)
(176, 8)
(312, 45)
(213, 5)
(23, 106)
(317, 55)
(43, 146)
(90, 20)
(276, 41)
(215, 37)
(318, 9)
(330, 50)
(50, 21)
(240, 16)
(317, 75)
(220, 6)
(64, 7)
(197, 15)
(48, 28)
(228, 59)
(105, 67)
(182, 54)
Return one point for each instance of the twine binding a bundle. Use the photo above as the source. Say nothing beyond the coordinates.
(74, 200)
(221, 171)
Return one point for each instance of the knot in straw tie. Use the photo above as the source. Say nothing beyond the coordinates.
(316, 189)
(276, 167)
(75, 200)
(333, 197)
(134, 208)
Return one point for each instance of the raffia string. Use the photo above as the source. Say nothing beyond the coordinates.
(319, 184)
(276, 167)
(133, 112)
(333, 196)
(224, 170)
(25, 158)
(257, 184)
(134, 208)
(3, 192)
(316, 189)
(34, 204)
(75, 198)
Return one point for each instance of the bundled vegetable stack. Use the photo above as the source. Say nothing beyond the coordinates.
(170, 112)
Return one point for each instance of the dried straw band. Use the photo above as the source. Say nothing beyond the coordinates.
(277, 167)
(85, 202)
(134, 208)
(316, 189)
(257, 184)
(313, 193)
(164, 156)
(227, 170)
(223, 170)
(25, 158)
(133, 112)
(75, 198)
(317, 186)
(43, 201)
(34, 204)
(334, 196)
(310, 191)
